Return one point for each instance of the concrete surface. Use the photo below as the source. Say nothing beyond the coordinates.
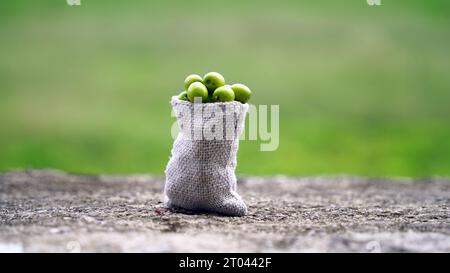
(51, 211)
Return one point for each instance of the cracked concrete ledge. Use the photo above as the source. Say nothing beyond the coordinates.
(52, 211)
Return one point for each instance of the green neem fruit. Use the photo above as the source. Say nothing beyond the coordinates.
(224, 93)
(241, 92)
(213, 80)
(197, 89)
(183, 96)
(190, 79)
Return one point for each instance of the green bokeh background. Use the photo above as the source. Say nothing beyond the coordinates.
(363, 90)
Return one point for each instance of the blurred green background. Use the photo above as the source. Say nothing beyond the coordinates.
(363, 90)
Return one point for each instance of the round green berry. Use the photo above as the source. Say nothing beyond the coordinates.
(241, 92)
(183, 96)
(197, 89)
(191, 79)
(213, 80)
(223, 94)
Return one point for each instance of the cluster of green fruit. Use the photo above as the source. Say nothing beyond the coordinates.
(212, 88)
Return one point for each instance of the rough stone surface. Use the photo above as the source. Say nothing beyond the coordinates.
(51, 211)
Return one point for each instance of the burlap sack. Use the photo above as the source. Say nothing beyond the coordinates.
(200, 173)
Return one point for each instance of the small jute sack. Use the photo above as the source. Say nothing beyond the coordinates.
(200, 174)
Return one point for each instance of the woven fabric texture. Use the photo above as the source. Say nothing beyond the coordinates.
(200, 174)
